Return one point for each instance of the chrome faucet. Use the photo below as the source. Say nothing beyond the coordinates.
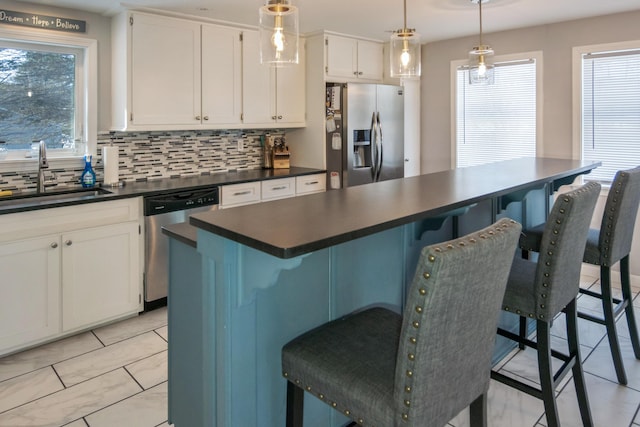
(42, 165)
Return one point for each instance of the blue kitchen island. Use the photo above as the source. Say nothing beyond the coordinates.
(246, 280)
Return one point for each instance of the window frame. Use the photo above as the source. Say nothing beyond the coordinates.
(86, 75)
(515, 57)
(577, 73)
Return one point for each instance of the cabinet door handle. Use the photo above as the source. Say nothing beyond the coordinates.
(273, 117)
(197, 117)
(68, 242)
(206, 117)
(359, 73)
(54, 245)
(279, 117)
(355, 73)
(311, 183)
(282, 187)
(242, 193)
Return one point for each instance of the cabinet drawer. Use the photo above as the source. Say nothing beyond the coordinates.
(239, 194)
(311, 184)
(278, 188)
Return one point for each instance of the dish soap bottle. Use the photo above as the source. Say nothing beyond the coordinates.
(88, 177)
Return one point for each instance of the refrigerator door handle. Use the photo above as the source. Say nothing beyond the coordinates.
(373, 144)
(379, 148)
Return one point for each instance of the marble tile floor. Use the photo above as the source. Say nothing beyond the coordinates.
(116, 376)
(612, 405)
(113, 376)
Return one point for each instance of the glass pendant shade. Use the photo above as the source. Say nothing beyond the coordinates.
(481, 67)
(278, 33)
(405, 54)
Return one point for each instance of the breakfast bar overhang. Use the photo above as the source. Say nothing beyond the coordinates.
(262, 274)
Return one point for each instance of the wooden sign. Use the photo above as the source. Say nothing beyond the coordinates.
(42, 21)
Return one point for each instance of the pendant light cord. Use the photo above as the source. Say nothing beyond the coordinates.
(405, 16)
(480, 5)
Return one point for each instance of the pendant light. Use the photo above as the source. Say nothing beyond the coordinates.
(278, 33)
(405, 51)
(481, 68)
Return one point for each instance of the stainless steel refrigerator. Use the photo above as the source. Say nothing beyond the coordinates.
(365, 133)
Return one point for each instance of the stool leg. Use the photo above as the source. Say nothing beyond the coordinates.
(295, 405)
(578, 375)
(610, 323)
(546, 373)
(478, 411)
(522, 331)
(627, 296)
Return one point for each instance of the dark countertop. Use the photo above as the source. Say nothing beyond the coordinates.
(182, 231)
(291, 227)
(153, 187)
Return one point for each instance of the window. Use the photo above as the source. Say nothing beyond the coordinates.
(38, 96)
(610, 105)
(45, 94)
(497, 122)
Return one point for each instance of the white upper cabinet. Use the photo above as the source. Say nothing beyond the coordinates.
(176, 74)
(221, 75)
(165, 71)
(173, 74)
(258, 83)
(352, 59)
(272, 96)
(291, 91)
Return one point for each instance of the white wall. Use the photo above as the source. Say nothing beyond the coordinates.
(555, 41)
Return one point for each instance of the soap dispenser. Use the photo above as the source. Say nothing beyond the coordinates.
(88, 177)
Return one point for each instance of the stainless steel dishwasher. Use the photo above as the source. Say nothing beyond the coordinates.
(161, 210)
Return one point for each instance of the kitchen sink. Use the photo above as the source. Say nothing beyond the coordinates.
(53, 195)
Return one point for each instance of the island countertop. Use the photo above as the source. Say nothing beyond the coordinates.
(262, 274)
(296, 226)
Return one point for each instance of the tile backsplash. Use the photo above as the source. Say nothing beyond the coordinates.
(155, 155)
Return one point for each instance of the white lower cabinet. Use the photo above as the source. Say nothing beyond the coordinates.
(248, 193)
(30, 291)
(66, 269)
(98, 267)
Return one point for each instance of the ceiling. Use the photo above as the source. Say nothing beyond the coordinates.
(433, 19)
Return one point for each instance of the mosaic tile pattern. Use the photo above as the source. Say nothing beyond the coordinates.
(27, 180)
(154, 155)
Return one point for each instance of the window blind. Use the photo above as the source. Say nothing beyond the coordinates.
(611, 112)
(496, 122)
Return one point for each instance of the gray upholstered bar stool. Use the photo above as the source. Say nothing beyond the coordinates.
(422, 368)
(605, 247)
(542, 290)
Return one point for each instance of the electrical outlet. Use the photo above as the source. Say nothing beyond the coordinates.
(240, 145)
